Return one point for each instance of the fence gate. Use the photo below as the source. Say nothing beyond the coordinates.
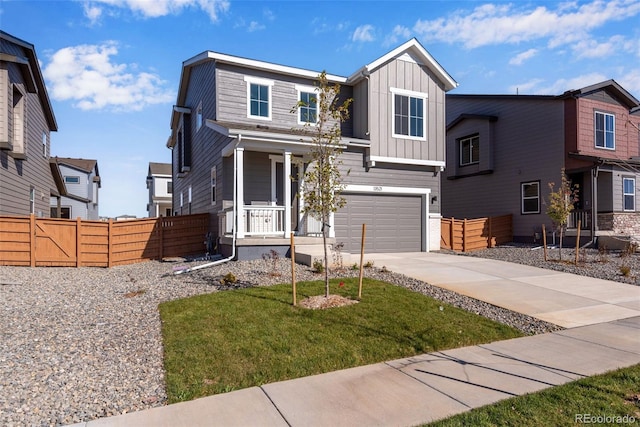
(56, 243)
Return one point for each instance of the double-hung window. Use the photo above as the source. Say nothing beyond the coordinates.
(530, 194)
(213, 185)
(629, 194)
(408, 109)
(308, 104)
(259, 98)
(605, 130)
(469, 150)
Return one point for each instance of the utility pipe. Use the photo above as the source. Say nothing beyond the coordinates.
(235, 219)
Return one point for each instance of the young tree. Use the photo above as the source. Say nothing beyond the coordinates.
(561, 203)
(322, 181)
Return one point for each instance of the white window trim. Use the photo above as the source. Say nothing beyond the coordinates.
(44, 144)
(413, 94)
(307, 89)
(522, 197)
(460, 141)
(629, 194)
(595, 141)
(263, 82)
(214, 179)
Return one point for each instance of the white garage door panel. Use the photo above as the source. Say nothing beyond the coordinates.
(394, 223)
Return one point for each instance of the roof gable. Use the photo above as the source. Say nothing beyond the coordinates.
(413, 51)
(160, 169)
(610, 86)
(33, 75)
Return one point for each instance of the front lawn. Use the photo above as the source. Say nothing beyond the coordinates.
(230, 340)
(609, 399)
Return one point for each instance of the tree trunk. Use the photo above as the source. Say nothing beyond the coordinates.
(560, 247)
(326, 258)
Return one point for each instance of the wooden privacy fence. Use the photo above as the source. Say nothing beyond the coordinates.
(52, 242)
(473, 234)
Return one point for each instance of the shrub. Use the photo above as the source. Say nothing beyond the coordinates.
(229, 279)
(318, 266)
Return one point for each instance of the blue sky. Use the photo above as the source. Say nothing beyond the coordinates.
(112, 67)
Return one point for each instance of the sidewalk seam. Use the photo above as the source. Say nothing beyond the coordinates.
(275, 406)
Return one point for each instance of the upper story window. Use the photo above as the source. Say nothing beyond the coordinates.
(308, 107)
(169, 187)
(530, 197)
(469, 150)
(408, 110)
(629, 194)
(213, 185)
(72, 180)
(44, 144)
(199, 117)
(258, 98)
(605, 130)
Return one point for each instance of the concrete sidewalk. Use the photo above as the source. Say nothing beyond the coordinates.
(604, 318)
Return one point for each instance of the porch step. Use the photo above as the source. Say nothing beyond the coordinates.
(308, 254)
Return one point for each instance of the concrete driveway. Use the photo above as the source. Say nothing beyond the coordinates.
(563, 299)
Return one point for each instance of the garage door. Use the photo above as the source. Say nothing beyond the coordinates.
(394, 223)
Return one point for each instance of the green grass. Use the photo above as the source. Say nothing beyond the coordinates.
(230, 340)
(615, 394)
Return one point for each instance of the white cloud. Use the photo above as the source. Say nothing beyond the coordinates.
(269, 15)
(589, 48)
(364, 33)
(255, 26)
(155, 8)
(631, 82)
(560, 86)
(520, 58)
(398, 33)
(86, 75)
(491, 24)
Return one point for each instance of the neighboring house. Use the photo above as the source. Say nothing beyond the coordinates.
(503, 150)
(236, 144)
(82, 181)
(26, 121)
(160, 186)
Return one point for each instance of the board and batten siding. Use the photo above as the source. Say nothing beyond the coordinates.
(18, 176)
(527, 145)
(403, 74)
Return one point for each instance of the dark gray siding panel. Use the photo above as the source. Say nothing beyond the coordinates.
(528, 145)
(257, 177)
(389, 229)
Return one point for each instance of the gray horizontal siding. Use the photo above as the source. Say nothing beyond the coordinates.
(232, 97)
(17, 176)
(528, 145)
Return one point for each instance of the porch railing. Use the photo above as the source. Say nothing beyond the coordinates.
(258, 220)
(583, 216)
(265, 221)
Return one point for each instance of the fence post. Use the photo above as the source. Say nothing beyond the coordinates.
(109, 243)
(453, 247)
(78, 248)
(490, 234)
(32, 240)
(464, 235)
(161, 238)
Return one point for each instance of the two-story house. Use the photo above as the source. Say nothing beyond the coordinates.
(238, 152)
(160, 186)
(504, 150)
(26, 121)
(81, 180)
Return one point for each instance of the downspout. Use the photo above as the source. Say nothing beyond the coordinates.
(235, 218)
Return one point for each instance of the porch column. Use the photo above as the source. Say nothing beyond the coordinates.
(238, 154)
(286, 181)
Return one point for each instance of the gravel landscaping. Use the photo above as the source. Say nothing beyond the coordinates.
(80, 344)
